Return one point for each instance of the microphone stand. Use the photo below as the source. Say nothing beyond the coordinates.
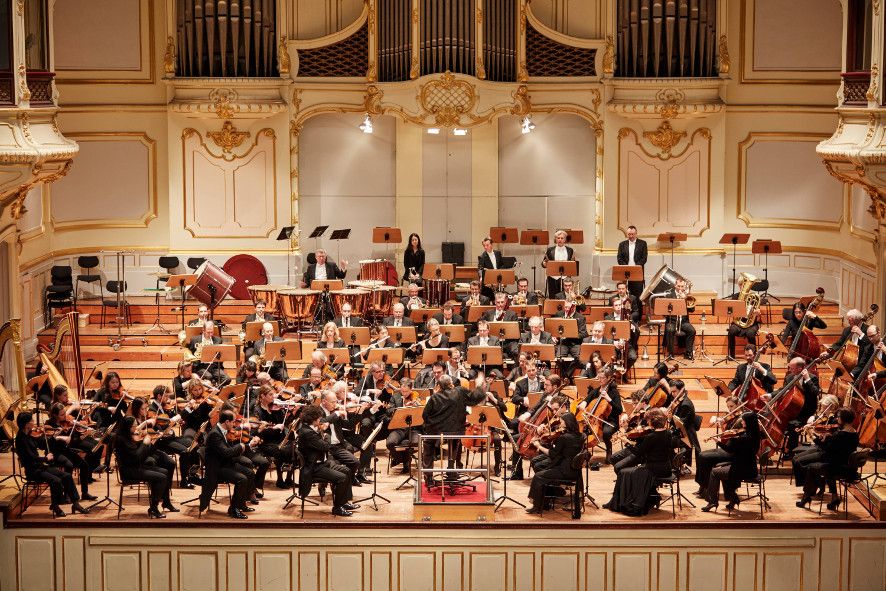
(366, 444)
(509, 438)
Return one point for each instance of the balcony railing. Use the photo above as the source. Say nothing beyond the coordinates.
(855, 88)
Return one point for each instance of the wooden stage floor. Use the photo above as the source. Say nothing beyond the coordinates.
(270, 513)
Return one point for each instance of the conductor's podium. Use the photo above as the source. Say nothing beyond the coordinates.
(445, 493)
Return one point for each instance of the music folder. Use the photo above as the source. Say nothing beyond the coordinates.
(253, 330)
(388, 356)
(479, 355)
(431, 356)
(562, 328)
(355, 335)
(455, 332)
(336, 356)
(542, 352)
(218, 353)
(606, 350)
(283, 350)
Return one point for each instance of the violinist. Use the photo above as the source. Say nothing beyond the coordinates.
(762, 371)
(215, 370)
(73, 447)
(247, 374)
(518, 372)
(222, 465)
(559, 464)
(163, 405)
(634, 492)
(198, 407)
(609, 391)
(676, 327)
(277, 367)
(318, 361)
(138, 459)
(709, 458)
(112, 401)
(805, 455)
(340, 450)
(28, 442)
(313, 385)
(741, 464)
(808, 384)
(685, 411)
(493, 400)
(396, 437)
(272, 420)
(872, 345)
(315, 447)
(445, 412)
(794, 317)
(184, 373)
(834, 462)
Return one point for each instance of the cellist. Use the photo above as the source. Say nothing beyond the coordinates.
(872, 345)
(808, 384)
(762, 371)
(794, 317)
(609, 391)
(550, 386)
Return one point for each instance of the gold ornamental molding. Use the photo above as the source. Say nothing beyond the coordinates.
(232, 141)
(284, 63)
(169, 57)
(665, 138)
(228, 138)
(659, 98)
(723, 57)
(229, 98)
(609, 56)
(874, 87)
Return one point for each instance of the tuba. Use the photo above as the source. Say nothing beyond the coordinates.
(750, 299)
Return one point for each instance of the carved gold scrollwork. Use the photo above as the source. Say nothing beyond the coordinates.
(723, 50)
(17, 208)
(447, 99)
(609, 56)
(23, 83)
(874, 88)
(413, 68)
(283, 61)
(228, 138)
(169, 56)
(222, 102)
(665, 138)
(20, 5)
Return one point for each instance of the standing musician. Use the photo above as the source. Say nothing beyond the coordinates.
(627, 350)
(72, 448)
(609, 391)
(184, 373)
(524, 297)
(28, 442)
(413, 260)
(340, 450)
(214, 370)
(853, 333)
(762, 371)
(558, 252)
(272, 420)
(836, 450)
(872, 345)
(560, 457)
(139, 460)
(413, 301)
(741, 451)
(396, 437)
(163, 403)
(488, 259)
(323, 269)
(448, 316)
(629, 301)
(277, 367)
(445, 413)
(634, 251)
(676, 327)
(314, 446)
(222, 465)
(808, 384)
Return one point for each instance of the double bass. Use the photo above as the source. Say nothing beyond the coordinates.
(848, 354)
(804, 343)
(751, 390)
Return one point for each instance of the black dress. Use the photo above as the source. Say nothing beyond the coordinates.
(415, 260)
(634, 487)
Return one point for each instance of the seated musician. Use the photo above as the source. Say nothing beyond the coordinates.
(434, 338)
(184, 373)
(501, 313)
(163, 403)
(676, 327)
(445, 413)
(427, 378)
(532, 382)
(808, 384)
(685, 411)
(484, 339)
(572, 346)
(594, 366)
(740, 463)
(536, 335)
(323, 269)
(871, 345)
(28, 442)
(749, 333)
(397, 319)
(403, 436)
(448, 316)
(202, 316)
(794, 317)
(557, 405)
(609, 391)
(347, 319)
(634, 492)
(318, 360)
(355, 410)
(569, 293)
(313, 386)
(272, 422)
(197, 409)
(633, 304)
(330, 337)
(473, 298)
(625, 350)
(558, 252)
(340, 450)
(834, 463)
(43, 393)
(257, 316)
(762, 372)
(659, 377)
(706, 460)
(524, 297)
(804, 455)
(222, 464)
(214, 371)
(854, 332)
(72, 446)
(247, 374)
(455, 367)
(560, 458)
(277, 367)
(112, 400)
(139, 459)
(413, 301)
(314, 445)
(517, 372)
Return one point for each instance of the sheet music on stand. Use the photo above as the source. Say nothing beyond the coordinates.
(286, 233)
(338, 236)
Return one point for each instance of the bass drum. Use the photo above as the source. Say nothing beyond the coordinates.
(246, 270)
(213, 284)
(663, 281)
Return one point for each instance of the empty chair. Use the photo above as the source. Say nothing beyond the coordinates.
(59, 293)
(195, 262)
(167, 264)
(89, 263)
(115, 287)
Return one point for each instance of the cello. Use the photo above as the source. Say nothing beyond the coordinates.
(751, 391)
(872, 430)
(804, 343)
(848, 354)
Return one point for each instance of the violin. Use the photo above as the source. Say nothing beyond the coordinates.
(44, 431)
(726, 435)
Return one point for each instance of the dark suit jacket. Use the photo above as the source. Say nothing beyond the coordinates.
(484, 262)
(641, 252)
(580, 320)
(522, 389)
(251, 318)
(544, 338)
(405, 301)
(475, 340)
(531, 298)
(355, 321)
(507, 316)
(199, 339)
(456, 319)
(635, 306)
(484, 301)
(549, 253)
(446, 411)
(406, 321)
(844, 337)
(768, 380)
(332, 272)
(219, 454)
(314, 448)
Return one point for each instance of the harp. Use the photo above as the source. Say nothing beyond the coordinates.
(63, 364)
(12, 364)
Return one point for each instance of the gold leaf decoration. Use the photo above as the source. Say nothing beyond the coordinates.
(222, 102)
(723, 50)
(228, 138)
(665, 138)
(284, 63)
(23, 83)
(609, 56)
(414, 68)
(447, 99)
(874, 88)
(169, 56)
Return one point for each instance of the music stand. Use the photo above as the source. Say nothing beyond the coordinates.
(182, 281)
(627, 273)
(672, 237)
(316, 234)
(499, 278)
(475, 312)
(606, 350)
(455, 332)
(439, 271)
(618, 329)
(387, 235)
(253, 330)
(561, 269)
(503, 235)
(327, 285)
(402, 334)
(727, 308)
(218, 354)
(432, 356)
(721, 389)
(505, 331)
(388, 356)
(484, 356)
(534, 238)
(421, 315)
(355, 335)
(668, 307)
(338, 236)
(596, 313)
(574, 236)
(341, 355)
(539, 352)
(734, 240)
(552, 307)
(286, 234)
(407, 418)
(469, 272)
(766, 247)
(562, 328)
(524, 312)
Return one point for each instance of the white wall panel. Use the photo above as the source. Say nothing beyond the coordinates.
(783, 30)
(90, 35)
(446, 190)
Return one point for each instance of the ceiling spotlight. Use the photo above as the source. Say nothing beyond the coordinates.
(526, 125)
(433, 131)
(459, 131)
(366, 126)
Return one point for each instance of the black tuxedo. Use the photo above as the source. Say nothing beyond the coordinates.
(845, 337)
(405, 321)
(341, 451)
(456, 319)
(767, 379)
(318, 467)
(507, 316)
(556, 285)
(544, 338)
(492, 341)
(216, 370)
(641, 254)
(221, 462)
(484, 261)
(521, 390)
(635, 306)
(332, 272)
(354, 321)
